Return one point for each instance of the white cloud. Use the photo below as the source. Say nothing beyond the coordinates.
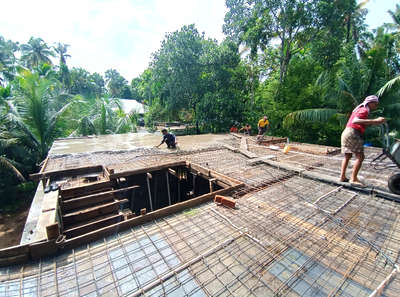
(103, 34)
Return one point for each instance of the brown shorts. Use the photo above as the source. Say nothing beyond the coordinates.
(352, 141)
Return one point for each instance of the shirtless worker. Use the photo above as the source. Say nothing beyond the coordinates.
(169, 139)
(352, 138)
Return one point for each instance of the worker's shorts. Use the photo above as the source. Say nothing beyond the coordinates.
(171, 145)
(352, 141)
(262, 130)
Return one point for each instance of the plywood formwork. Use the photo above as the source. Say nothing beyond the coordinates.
(289, 235)
(275, 242)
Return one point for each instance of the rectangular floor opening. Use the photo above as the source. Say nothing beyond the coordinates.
(162, 188)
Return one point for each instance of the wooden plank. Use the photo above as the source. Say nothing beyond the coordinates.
(231, 148)
(66, 172)
(93, 199)
(109, 230)
(86, 201)
(212, 173)
(237, 135)
(248, 154)
(12, 260)
(90, 213)
(243, 144)
(44, 165)
(86, 189)
(219, 182)
(148, 169)
(14, 251)
(48, 215)
(92, 226)
(43, 248)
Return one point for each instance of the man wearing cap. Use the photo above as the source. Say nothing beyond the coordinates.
(352, 138)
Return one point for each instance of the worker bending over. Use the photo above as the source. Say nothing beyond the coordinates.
(169, 139)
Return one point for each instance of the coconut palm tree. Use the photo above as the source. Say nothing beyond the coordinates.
(105, 116)
(61, 50)
(34, 112)
(7, 60)
(36, 52)
(395, 27)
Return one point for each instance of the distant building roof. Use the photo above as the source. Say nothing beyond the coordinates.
(129, 105)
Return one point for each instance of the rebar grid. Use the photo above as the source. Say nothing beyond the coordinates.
(303, 238)
(369, 219)
(330, 165)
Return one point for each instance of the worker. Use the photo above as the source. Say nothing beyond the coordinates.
(169, 139)
(246, 129)
(263, 126)
(233, 129)
(352, 139)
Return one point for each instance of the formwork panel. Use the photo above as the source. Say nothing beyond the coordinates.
(287, 236)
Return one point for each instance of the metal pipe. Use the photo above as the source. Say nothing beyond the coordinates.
(168, 189)
(194, 184)
(149, 190)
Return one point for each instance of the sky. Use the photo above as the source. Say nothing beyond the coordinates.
(122, 34)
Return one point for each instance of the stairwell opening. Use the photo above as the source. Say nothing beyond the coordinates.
(162, 188)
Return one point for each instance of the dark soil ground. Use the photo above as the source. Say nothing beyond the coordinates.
(11, 226)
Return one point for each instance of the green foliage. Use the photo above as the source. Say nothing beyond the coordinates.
(36, 52)
(305, 64)
(293, 23)
(86, 84)
(117, 85)
(194, 79)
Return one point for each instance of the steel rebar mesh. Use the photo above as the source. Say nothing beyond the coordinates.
(290, 236)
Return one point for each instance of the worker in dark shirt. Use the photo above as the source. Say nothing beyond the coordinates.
(168, 138)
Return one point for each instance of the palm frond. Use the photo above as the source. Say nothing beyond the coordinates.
(5, 163)
(309, 115)
(388, 86)
(55, 117)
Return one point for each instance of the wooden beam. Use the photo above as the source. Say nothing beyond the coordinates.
(44, 165)
(86, 201)
(92, 226)
(211, 183)
(86, 189)
(14, 251)
(18, 254)
(148, 169)
(93, 199)
(243, 144)
(90, 213)
(220, 182)
(109, 230)
(132, 199)
(212, 173)
(66, 172)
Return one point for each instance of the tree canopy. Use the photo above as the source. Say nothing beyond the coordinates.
(304, 63)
